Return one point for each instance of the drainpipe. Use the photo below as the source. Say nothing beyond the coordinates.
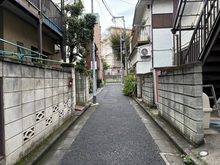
(152, 33)
(63, 42)
(154, 75)
(39, 27)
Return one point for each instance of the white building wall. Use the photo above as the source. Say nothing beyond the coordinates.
(162, 37)
(143, 67)
(162, 6)
(162, 47)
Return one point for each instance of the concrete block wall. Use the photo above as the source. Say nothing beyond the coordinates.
(36, 101)
(148, 89)
(139, 86)
(82, 88)
(180, 99)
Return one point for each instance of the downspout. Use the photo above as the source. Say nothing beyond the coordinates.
(40, 27)
(63, 41)
(152, 33)
(154, 75)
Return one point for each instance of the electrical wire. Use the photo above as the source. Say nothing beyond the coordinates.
(127, 2)
(108, 9)
(103, 14)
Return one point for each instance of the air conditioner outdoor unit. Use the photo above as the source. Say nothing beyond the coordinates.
(145, 52)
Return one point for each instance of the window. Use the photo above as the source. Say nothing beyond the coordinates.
(162, 20)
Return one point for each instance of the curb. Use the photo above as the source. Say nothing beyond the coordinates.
(176, 138)
(33, 158)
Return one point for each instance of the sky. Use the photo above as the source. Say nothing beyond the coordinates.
(118, 8)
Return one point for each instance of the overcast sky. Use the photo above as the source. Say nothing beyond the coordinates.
(117, 7)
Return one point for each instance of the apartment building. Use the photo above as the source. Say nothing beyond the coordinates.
(33, 24)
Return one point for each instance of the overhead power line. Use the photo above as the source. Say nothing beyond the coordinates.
(102, 13)
(106, 6)
(127, 2)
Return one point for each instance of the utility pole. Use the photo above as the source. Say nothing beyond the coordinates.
(121, 70)
(121, 54)
(93, 63)
(125, 48)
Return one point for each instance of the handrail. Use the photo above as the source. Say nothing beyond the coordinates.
(202, 31)
(19, 46)
(177, 14)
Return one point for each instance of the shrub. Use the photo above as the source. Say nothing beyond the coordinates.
(129, 85)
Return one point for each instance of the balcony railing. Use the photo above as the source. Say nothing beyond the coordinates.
(141, 36)
(203, 30)
(51, 12)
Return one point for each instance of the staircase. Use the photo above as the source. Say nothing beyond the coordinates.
(211, 68)
(204, 45)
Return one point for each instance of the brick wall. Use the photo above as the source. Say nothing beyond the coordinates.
(139, 85)
(180, 99)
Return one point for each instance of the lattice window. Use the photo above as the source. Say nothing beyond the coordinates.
(49, 121)
(65, 104)
(61, 113)
(27, 135)
(40, 115)
(55, 108)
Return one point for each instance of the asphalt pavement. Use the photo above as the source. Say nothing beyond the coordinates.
(116, 131)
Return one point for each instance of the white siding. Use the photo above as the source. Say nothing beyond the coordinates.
(162, 6)
(162, 47)
(143, 67)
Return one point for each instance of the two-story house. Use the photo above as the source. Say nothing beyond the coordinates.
(36, 25)
(33, 24)
(152, 40)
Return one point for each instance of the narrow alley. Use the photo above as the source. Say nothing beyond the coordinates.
(113, 132)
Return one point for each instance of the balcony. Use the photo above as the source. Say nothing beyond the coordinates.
(29, 10)
(141, 36)
(52, 14)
